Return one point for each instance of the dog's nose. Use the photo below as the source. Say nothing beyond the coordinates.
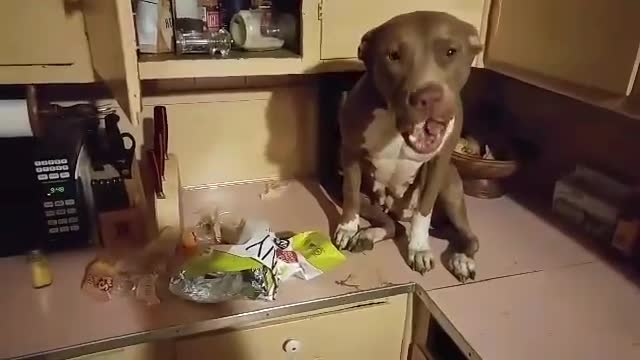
(426, 96)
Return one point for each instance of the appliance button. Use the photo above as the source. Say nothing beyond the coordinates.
(52, 222)
(70, 202)
(48, 204)
(64, 167)
(54, 176)
(50, 213)
(59, 203)
(73, 220)
(64, 175)
(43, 176)
(63, 161)
(38, 170)
(71, 211)
(53, 230)
(37, 163)
(61, 212)
(57, 161)
(45, 168)
(64, 229)
(50, 162)
(62, 221)
(74, 227)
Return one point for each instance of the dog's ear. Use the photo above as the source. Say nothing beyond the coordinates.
(364, 49)
(475, 46)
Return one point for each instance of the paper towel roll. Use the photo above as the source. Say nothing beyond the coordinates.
(14, 118)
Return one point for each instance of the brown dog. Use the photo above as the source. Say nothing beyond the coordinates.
(399, 126)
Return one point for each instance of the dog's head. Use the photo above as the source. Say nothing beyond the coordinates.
(419, 62)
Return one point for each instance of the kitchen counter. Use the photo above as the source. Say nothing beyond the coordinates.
(519, 254)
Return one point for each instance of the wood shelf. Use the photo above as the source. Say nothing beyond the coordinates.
(619, 104)
(239, 63)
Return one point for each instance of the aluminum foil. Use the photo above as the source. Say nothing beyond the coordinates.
(252, 284)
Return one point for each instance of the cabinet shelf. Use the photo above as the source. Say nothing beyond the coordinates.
(239, 63)
(624, 105)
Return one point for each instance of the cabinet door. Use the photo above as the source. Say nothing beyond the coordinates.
(111, 34)
(344, 22)
(588, 43)
(34, 32)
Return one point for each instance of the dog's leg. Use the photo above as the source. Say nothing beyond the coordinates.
(464, 242)
(352, 180)
(382, 227)
(420, 257)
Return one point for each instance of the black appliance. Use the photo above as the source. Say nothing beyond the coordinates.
(45, 193)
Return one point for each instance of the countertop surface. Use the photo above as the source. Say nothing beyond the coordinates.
(519, 252)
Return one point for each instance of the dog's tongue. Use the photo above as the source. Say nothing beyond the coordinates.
(424, 137)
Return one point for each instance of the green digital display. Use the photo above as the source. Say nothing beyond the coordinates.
(53, 190)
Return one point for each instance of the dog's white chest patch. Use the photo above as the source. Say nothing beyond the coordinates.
(396, 164)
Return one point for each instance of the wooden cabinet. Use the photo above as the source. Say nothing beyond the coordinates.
(593, 45)
(372, 331)
(43, 42)
(330, 30)
(344, 22)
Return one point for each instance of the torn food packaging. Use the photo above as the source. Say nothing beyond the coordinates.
(255, 268)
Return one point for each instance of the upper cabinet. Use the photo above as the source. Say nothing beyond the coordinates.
(585, 49)
(344, 22)
(43, 42)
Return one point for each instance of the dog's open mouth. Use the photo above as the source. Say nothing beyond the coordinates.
(426, 137)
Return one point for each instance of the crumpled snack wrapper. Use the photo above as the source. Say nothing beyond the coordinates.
(254, 267)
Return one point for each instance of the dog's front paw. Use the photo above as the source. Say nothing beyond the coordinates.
(421, 260)
(462, 267)
(345, 233)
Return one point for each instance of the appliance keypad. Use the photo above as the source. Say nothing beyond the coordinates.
(61, 223)
(52, 169)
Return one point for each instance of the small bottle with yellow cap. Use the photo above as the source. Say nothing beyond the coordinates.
(40, 271)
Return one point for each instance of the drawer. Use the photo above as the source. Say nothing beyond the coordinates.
(344, 22)
(147, 351)
(373, 331)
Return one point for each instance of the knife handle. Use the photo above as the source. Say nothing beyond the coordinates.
(161, 125)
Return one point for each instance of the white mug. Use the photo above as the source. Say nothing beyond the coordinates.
(245, 29)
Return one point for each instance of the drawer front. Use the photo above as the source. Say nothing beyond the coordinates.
(344, 22)
(148, 351)
(372, 332)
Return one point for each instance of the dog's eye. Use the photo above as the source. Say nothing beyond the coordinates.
(451, 52)
(394, 55)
